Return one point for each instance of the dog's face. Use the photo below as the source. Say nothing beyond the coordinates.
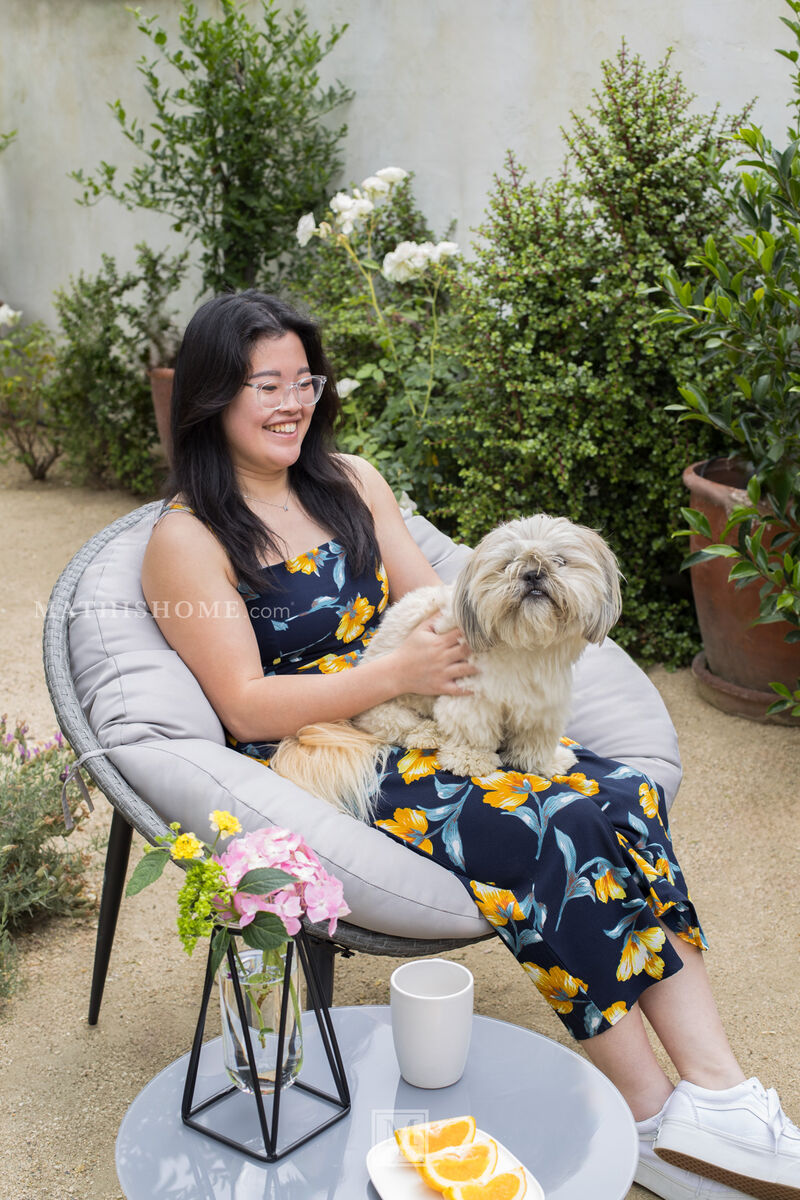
(536, 581)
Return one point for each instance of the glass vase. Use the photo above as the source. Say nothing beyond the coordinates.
(261, 977)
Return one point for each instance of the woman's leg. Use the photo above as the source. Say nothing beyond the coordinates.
(683, 1014)
(686, 1021)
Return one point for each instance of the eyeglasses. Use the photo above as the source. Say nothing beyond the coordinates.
(308, 391)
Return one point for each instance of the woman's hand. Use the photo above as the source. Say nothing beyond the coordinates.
(431, 663)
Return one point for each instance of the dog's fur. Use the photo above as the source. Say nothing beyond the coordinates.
(531, 596)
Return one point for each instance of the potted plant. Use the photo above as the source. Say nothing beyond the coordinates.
(240, 145)
(745, 536)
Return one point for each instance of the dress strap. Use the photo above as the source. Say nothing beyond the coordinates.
(172, 506)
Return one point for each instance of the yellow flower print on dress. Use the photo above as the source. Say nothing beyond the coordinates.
(353, 619)
(510, 789)
(639, 953)
(659, 907)
(380, 575)
(498, 905)
(416, 764)
(693, 936)
(579, 783)
(557, 987)
(664, 869)
(648, 798)
(608, 887)
(648, 870)
(616, 1012)
(565, 741)
(307, 563)
(329, 664)
(409, 824)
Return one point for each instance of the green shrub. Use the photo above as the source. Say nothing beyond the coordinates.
(27, 354)
(114, 328)
(564, 408)
(240, 145)
(388, 328)
(38, 876)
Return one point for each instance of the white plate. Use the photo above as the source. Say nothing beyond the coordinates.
(397, 1179)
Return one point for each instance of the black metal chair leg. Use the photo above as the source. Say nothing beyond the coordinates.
(117, 855)
(323, 956)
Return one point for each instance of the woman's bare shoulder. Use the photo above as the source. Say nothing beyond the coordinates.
(180, 538)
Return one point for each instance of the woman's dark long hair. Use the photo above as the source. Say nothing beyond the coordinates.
(213, 366)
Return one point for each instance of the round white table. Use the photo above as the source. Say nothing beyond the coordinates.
(551, 1108)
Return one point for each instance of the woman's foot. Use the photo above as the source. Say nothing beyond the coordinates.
(739, 1137)
(670, 1182)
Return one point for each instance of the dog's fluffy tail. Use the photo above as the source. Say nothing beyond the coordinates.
(335, 761)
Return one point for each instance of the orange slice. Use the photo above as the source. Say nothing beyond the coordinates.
(472, 1163)
(415, 1141)
(509, 1185)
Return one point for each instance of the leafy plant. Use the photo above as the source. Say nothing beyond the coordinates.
(114, 327)
(38, 876)
(746, 310)
(240, 145)
(564, 410)
(381, 288)
(27, 354)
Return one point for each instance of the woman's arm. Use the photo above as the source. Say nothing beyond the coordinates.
(190, 588)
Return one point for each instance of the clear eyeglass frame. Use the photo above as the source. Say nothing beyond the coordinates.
(308, 391)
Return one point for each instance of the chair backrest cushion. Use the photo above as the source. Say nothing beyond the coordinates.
(144, 704)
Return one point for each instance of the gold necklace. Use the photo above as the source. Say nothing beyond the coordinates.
(260, 500)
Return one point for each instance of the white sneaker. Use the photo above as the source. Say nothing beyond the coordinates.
(740, 1137)
(669, 1182)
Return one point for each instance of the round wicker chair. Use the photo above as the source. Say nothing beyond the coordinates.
(130, 810)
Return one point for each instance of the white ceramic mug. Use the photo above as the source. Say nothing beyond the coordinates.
(431, 1002)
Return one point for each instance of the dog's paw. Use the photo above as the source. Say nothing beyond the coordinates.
(467, 760)
(424, 736)
(559, 763)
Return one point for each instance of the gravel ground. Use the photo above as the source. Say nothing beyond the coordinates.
(65, 1087)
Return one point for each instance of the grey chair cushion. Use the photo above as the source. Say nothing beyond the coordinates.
(148, 709)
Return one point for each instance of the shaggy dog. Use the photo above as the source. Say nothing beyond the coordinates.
(531, 596)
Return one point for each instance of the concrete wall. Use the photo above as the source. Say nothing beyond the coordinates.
(443, 87)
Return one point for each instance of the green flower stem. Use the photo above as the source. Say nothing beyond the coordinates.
(257, 987)
(434, 348)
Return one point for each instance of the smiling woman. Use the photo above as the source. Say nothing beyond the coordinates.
(573, 864)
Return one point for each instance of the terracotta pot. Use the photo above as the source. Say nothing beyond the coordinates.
(161, 387)
(743, 656)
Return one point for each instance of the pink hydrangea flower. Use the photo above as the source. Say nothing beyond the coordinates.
(316, 893)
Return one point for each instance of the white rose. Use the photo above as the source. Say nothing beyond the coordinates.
(374, 186)
(443, 250)
(361, 207)
(345, 386)
(8, 315)
(324, 229)
(391, 174)
(306, 228)
(345, 224)
(341, 202)
(407, 261)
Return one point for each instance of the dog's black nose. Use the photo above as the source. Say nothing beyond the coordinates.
(532, 576)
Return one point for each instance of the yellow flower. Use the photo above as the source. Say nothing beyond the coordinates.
(380, 575)
(608, 887)
(187, 846)
(409, 824)
(307, 563)
(663, 868)
(556, 986)
(510, 789)
(329, 664)
(496, 904)
(616, 1012)
(416, 764)
(659, 907)
(648, 798)
(639, 953)
(647, 869)
(579, 782)
(693, 936)
(353, 619)
(224, 822)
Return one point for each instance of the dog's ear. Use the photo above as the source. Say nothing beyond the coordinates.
(599, 623)
(465, 614)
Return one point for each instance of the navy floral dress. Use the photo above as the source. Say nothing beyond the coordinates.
(572, 871)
